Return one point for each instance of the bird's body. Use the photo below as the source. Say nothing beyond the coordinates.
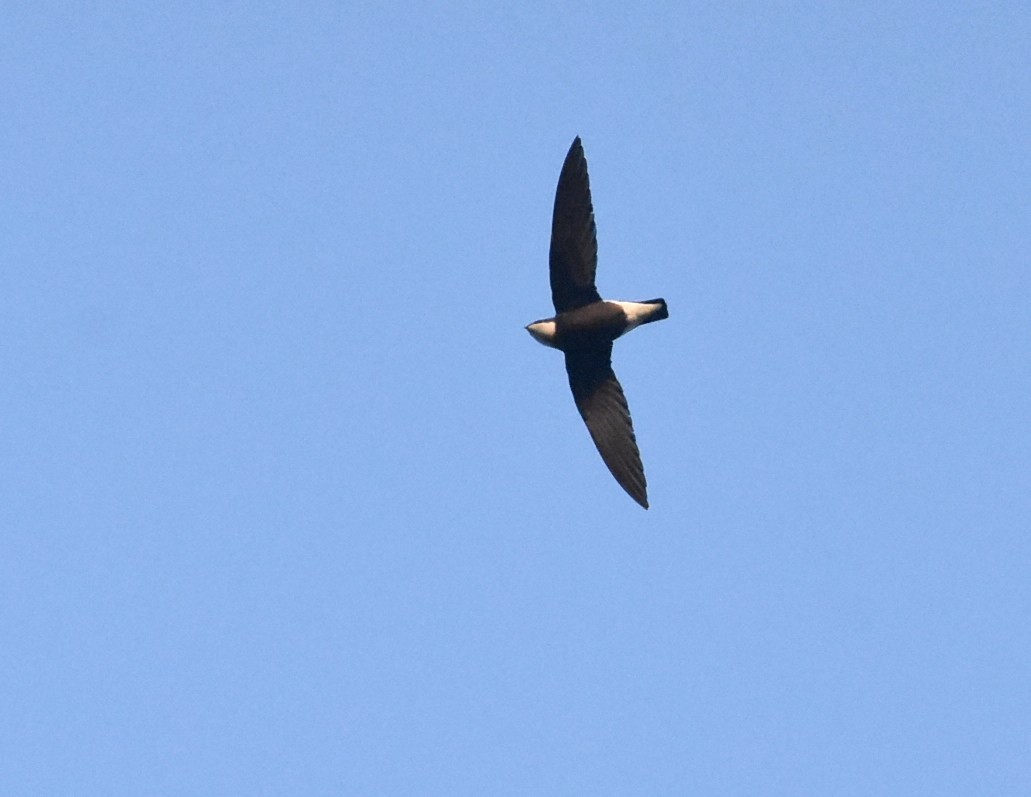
(585, 326)
(596, 321)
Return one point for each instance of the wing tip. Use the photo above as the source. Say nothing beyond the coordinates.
(641, 498)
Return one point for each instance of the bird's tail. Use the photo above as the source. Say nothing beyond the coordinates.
(659, 313)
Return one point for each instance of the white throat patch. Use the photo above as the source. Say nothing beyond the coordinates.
(543, 331)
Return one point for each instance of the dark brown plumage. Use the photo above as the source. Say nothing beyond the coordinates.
(573, 258)
(600, 400)
(585, 326)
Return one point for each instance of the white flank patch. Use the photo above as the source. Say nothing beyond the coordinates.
(637, 313)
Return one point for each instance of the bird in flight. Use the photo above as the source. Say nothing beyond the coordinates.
(584, 326)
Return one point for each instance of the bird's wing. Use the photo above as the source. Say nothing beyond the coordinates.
(599, 397)
(574, 243)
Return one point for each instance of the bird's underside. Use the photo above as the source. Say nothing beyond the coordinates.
(585, 326)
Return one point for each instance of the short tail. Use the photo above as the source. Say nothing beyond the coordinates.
(661, 311)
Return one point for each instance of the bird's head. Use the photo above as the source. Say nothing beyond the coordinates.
(543, 331)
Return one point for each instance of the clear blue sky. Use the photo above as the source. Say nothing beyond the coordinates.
(290, 503)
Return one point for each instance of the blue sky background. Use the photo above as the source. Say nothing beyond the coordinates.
(291, 504)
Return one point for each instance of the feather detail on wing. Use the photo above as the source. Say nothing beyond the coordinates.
(600, 400)
(573, 258)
